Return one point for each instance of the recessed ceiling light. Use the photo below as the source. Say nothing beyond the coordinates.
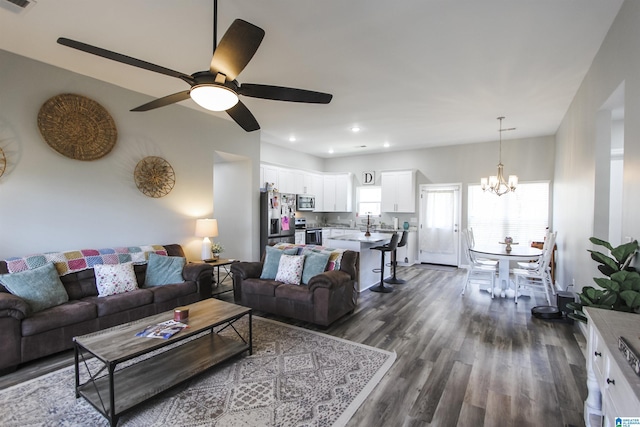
(292, 139)
(330, 150)
(355, 129)
(387, 145)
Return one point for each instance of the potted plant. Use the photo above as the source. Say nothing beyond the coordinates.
(216, 250)
(619, 290)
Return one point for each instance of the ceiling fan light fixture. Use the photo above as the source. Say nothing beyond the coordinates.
(214, 97)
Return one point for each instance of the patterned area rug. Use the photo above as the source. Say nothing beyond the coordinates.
(295, 377)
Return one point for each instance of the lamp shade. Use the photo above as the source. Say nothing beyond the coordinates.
(206, 228)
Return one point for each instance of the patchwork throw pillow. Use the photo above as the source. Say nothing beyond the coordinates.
(40, 287)
(164, 270)
(114, 279)
(290, 269)
(314, 264)
(272, 260)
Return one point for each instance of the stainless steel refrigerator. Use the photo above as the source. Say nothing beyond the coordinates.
(277, 218)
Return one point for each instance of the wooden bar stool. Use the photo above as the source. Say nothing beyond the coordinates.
(390, 247)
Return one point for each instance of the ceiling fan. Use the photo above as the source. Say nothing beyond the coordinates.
(217, 89)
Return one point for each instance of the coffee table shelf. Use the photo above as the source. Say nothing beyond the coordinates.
(197, 348)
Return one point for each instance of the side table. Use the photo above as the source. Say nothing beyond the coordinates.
(221, 262)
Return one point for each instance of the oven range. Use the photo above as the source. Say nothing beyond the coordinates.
(312, 235)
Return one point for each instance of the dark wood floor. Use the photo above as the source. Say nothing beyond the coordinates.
(461, 360)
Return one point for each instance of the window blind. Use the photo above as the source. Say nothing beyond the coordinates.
(522, 215)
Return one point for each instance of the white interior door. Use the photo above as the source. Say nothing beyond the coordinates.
(440, 224)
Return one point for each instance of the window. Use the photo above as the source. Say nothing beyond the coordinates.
(523, 214)
(369, 199)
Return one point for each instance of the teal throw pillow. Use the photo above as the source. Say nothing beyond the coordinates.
(40, 287)
(272, 261)
(314, 264)
(164, 270)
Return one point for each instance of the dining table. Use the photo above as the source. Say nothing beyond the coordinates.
(499, 252)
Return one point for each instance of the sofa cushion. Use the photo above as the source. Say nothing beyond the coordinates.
(260, 287)
(114, 279)
(174, 291)
(294, 293)
(314, 264)
(290, 269)
(121, 302)
(62, 315)
(272, 260)
(40, 287)
(164, 270)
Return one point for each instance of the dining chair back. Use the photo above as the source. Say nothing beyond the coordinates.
(537, 279)
(477, 271)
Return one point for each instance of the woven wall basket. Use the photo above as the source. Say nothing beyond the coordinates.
(77, 127)
(154, 176)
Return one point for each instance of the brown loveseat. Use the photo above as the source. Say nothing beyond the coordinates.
(324, 299)
(25, 335)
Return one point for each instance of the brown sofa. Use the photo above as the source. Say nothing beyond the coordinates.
(327, 296)
(26, 336)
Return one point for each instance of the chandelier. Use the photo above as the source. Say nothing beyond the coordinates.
(496, 183)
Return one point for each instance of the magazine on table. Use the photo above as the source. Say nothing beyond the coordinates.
(162, 330)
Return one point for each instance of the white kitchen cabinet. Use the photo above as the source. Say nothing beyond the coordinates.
(317, 190)
(398, 191)
(269, 174)
(286, 179)
(337, 193)
(326, 235)
(613, 386)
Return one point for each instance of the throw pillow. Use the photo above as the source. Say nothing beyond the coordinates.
(114, 279)
(272, 260)
(314, 264)
(40, 287)
(290, 269)
(164, 270)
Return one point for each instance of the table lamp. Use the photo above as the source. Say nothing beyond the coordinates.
(206, 228)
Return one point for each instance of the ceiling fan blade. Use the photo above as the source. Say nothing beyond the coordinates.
(278, 93)
(242, 116)
(164, 101)
(124, 59)
(236, 48)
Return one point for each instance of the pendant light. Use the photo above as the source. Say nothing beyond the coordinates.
(496, 183)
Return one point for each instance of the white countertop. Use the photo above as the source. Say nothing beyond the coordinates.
(360, 237)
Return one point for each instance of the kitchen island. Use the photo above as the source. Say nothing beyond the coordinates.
(367, 259)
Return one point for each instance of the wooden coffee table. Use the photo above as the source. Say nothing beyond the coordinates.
(113, 392)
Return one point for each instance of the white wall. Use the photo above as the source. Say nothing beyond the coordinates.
(49, 202)
(280, 156)
(578, 190)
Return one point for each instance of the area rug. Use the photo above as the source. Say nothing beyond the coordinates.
(295, 377)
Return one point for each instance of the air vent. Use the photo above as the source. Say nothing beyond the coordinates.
(17, 6)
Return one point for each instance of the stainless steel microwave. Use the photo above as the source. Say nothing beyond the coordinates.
(305, 202)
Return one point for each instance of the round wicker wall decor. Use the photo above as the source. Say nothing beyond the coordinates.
(154, 176)
(3, 162)
(77, 127)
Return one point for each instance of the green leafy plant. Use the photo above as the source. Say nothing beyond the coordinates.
(620, 288)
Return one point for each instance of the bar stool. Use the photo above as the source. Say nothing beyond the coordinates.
(394, 261)
(390, 247)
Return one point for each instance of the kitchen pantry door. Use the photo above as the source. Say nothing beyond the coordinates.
(439, 223)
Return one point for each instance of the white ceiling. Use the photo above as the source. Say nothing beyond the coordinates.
(413, 73)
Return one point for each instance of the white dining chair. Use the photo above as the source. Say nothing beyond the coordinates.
(472, 244)
(477, 272)
(548, 245)
(536, 279)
